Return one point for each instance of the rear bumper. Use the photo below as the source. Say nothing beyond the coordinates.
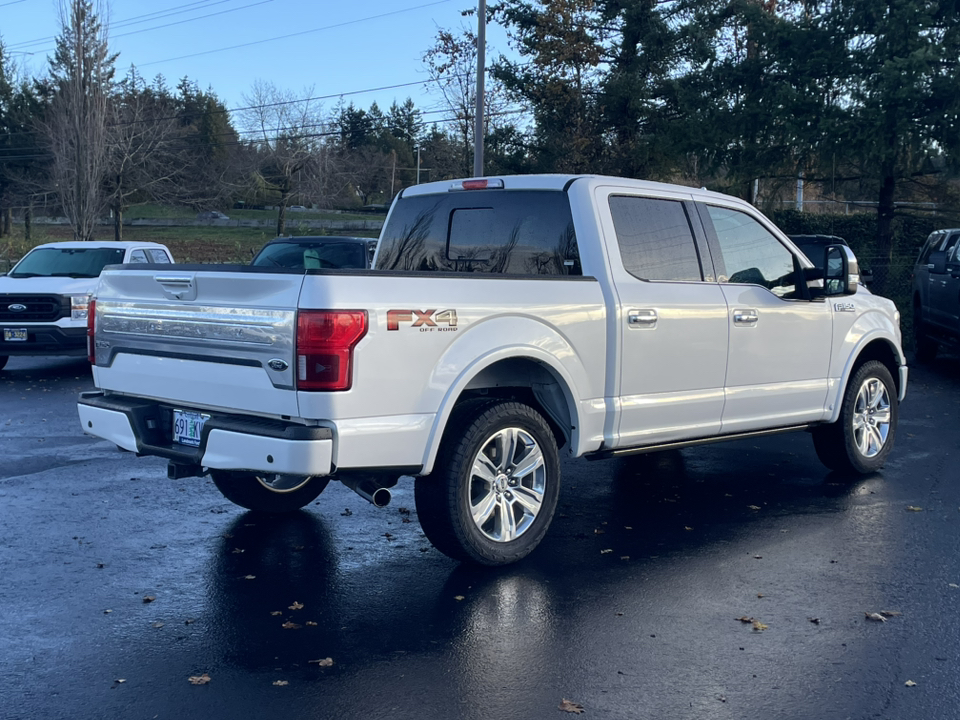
(46, 340)
(228, 442)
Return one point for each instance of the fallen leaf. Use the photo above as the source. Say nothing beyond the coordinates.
(910, 683)
(911, 508)
(107, 612)
(458, 598)
(759, 595)
(157, 625)
(237, 551)
(311, 623)
(296, 606)
(189, 621)
(890, 613)
(403, 511)
(290, 626)
(120, 681)
(954, 585)
(570, 706)
(754, 507)
(199, 679)
(624, 557)
(608, 550)
(745, 619)
(875, 616)
(100, 566)
(758, 557)
(249, 577)
(346, 512)
(759, 626)
(323, 662)
(276, 612)
(687, 528)
(149, 598)
(280, 683)
(815, 621)
(598, 531)
(627, 527)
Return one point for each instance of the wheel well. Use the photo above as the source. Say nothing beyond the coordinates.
(530, 382)
(882, 351)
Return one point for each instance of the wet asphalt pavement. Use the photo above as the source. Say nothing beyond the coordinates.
(629, 608)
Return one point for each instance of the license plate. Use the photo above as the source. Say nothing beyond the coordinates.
(188, 427)
(14, 334)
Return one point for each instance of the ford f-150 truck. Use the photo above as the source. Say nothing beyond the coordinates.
(43, 299)
(504, 318)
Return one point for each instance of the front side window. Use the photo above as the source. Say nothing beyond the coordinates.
(951, 247)
(655, 239)
(750, 254)
(506, 232)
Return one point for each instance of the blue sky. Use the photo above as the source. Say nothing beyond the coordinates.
(332, 47)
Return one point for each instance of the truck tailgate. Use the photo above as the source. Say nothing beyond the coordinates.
(219, 338)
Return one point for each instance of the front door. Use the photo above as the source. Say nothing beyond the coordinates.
(944, 289)
(780, 341)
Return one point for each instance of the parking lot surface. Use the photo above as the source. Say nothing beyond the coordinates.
(727, 581)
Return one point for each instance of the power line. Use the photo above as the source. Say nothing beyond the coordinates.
(297, 34)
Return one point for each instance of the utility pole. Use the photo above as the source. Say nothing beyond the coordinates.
(418, 164)
(481, 61)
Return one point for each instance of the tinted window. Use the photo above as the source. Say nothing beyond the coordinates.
(313, 255)
(66, 262)
(750, 254)
(656, 242)
(513, 232)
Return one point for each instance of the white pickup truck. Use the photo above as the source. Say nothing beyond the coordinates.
(43, 299)
(504, 318)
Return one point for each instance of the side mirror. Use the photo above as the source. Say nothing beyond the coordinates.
(937, 262)
(841, 272)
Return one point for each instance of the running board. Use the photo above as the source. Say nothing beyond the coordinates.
(638, 450)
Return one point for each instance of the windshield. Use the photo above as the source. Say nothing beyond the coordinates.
(66, 262)
(313, 255)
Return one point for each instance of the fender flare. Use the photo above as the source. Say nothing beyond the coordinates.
(837, 387)
(508, 352)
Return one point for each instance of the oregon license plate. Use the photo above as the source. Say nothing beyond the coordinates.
(188, 427)
(14, 334)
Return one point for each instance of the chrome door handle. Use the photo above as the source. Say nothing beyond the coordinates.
(642, 318)
(745, 317)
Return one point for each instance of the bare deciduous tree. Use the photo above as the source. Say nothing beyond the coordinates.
(82, 74)
(286, 133)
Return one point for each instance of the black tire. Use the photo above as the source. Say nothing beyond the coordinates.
(519, 505)
(862, 438)
(268, 493)
(924, 346)
(3, 361)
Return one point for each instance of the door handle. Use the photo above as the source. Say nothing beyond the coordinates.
(745, 317)
(642, 318)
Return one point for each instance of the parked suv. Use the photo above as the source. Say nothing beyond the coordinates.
(936, 293)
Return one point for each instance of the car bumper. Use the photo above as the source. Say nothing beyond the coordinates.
(46, 340)
(228, 442)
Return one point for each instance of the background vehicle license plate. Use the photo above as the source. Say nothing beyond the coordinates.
(15, 334)
(187, 427)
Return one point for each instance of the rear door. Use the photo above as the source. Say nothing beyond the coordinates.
(671, 318)
(780, 341)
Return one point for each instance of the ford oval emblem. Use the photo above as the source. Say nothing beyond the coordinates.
(278, 364)
(16, 307)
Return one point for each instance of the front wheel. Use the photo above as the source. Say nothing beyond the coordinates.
(268, 492)
(493, 492)
(862, 438)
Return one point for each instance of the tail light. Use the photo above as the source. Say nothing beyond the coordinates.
(92, 331)
(325, 342)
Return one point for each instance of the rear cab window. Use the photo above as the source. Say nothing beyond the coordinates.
(503, 232)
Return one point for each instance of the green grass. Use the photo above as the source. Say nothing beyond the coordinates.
(156, 212)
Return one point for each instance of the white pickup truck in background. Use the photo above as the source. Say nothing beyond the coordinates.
(43, 299)
(504, 318)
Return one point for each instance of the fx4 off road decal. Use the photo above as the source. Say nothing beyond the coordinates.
(424, 320)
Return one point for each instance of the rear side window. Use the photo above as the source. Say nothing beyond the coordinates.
(157, 256)
(506, 232)
(655, 239)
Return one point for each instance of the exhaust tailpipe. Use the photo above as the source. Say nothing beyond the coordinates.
(371, 488)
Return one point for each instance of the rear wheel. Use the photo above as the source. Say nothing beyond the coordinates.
(493, 492)
(924, 346)
(266, 492)
(863, 436)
